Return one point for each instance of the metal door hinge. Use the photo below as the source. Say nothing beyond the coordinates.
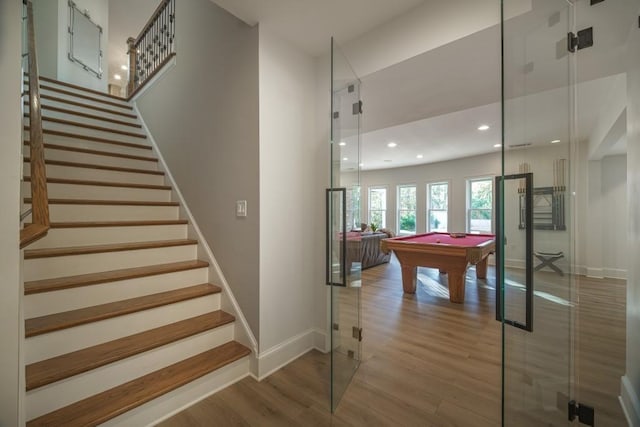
(584, 413)
(336, 327)
(582, 40)
(356, 333)
(357, 108)
(596, 2)
(336, 115)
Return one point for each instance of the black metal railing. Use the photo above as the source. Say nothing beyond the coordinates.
(153, 48)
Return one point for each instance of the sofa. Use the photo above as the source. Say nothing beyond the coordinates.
(364, 247)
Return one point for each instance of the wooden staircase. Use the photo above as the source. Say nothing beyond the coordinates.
(122, 325)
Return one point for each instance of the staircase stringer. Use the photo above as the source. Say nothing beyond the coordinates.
(243, 332)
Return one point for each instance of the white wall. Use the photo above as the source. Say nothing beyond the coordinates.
(52, 21)
(290, 247)
(631, 381)
(203, 114)
(11, 325)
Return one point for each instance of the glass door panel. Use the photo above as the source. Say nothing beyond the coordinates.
(344, 243)
(535, 299)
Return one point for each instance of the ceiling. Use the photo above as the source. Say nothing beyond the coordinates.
(432, 103)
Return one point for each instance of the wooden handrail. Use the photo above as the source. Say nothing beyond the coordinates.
(153, 48)
(40, 202)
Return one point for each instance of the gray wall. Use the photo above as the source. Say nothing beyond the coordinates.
(632, 376)
(203, 114)
(11, 378)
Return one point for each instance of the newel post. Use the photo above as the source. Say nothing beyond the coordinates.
(131, 43)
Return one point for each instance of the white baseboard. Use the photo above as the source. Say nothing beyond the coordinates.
(630, 402)
(269, 361)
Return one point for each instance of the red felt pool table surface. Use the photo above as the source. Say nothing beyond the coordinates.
(450, 255)
(446, 239)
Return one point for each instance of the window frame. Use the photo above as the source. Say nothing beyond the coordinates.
(470, 181)
(386, 204)
(447, 210)
(398, 210)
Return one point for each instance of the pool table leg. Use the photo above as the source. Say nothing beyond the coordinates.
(409, 278)
(481, 268)
(456, 285)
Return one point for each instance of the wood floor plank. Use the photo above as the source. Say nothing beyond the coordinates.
(59, 283)
(67, 365)
(111, 247)
(55, 322)
(111, 403)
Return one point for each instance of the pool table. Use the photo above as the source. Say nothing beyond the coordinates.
(449, 254)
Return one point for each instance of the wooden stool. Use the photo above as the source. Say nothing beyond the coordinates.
(547, 259)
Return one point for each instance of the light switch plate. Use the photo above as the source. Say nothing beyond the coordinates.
(241, 208)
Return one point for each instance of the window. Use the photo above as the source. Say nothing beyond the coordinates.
(353, 207)
(378, 206)
(437, 206)
(407, 209)
(479, 205)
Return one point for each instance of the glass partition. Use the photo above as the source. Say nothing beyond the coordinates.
(344, 239)
(535, 221)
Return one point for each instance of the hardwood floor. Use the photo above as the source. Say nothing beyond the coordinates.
(428, 362)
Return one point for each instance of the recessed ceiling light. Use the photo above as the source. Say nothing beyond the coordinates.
(345, 158)
(497, 145)
(124, 67)
(555, 141)
(483, 127)
(419, 156)
(342, 143)
(392, 145)
(117, 76)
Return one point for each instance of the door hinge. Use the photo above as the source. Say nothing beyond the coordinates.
(596, 2)
(582, 40)
(356, 333)
(336, 327)
(584, 413)
(336, 115)
(357, 108)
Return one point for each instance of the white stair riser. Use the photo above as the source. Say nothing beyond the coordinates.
(105, 96)
(46, 346)
(83, 131)
(152, 412)
(96, 159)
(96, 145)
(119, 107)
(63, 393)
(99, 121)
(80, 173)
(74, 191)
(62, 266)
(43, 304)
(66, 213)
(65, 237)
(66, 106)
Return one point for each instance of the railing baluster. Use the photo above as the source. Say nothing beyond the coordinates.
(153, 48)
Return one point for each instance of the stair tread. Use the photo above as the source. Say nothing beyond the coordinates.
(101, 183)
(105, 202)
(59, 283)
(100, 167)
(92, 138)
(124, 106)
(83, 105)
(112, 247)
(96, 152)
(87, 115)
(90, 126)
(98, 224)
(67, 365)
(58, 321)
(118, 400)
(97, 92)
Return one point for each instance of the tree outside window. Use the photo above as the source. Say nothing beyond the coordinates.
(480, 205)
(378, 206)
(438, 206)
(407, 209)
